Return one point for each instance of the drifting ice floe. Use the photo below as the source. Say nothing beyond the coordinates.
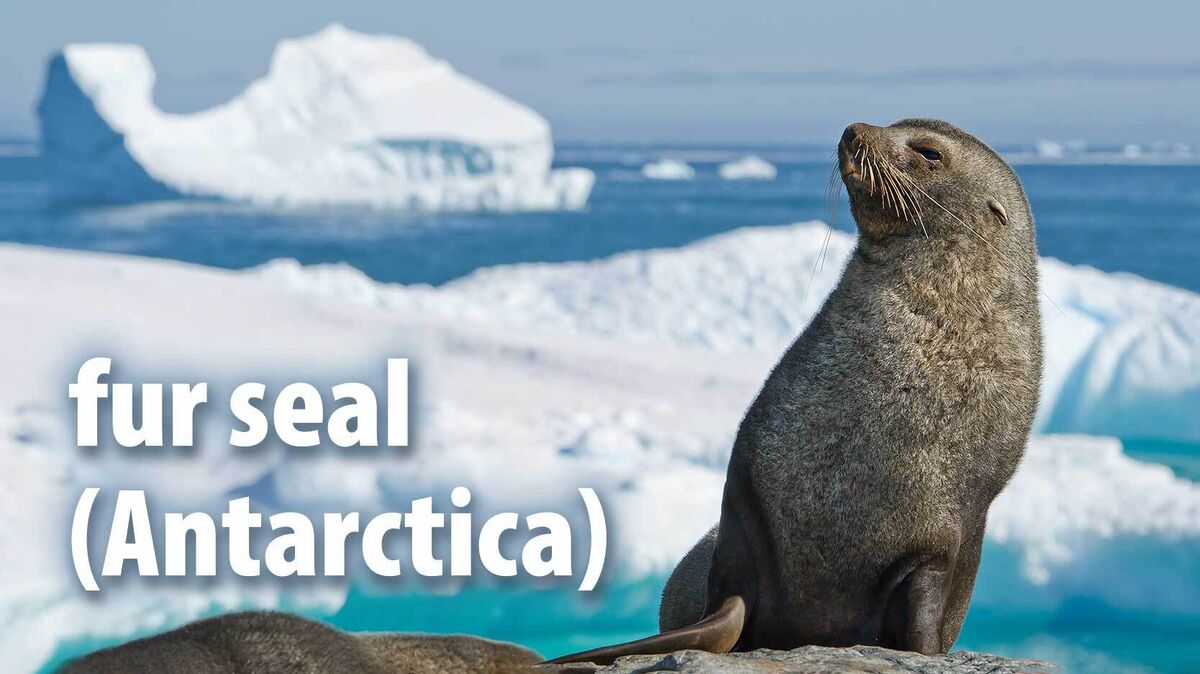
(340, 118)
(748, 168)
(1049, 149)
(668, 169)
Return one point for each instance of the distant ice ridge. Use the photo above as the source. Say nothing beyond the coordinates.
(1080, 152)
(341, 118)
(668, 169)
(748, 168)
(1122, 354)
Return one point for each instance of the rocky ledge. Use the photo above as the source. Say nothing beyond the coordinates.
(814, 660)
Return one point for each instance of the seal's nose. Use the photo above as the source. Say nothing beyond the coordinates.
(851, 134)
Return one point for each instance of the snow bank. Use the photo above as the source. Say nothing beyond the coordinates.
(523, 419)
(1120, 515)
(1122, 355)
(668, 169)
(340, 118)
(747, 168)
(628, 375)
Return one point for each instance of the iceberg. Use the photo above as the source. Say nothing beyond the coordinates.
(668, 169)
(341, 118)
(748, 168)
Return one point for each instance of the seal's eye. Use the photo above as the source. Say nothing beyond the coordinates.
(929, 153)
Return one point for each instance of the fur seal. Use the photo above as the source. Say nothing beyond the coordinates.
(278, 642)
(860, 478)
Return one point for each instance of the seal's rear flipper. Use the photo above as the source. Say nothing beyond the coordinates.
(716, 633)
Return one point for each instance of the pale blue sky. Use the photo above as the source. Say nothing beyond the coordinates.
(696, 71)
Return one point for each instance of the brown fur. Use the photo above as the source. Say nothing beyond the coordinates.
(261, 642)
(861, 476)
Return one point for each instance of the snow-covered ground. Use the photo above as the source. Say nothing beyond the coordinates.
(340, 118)
(627, 374)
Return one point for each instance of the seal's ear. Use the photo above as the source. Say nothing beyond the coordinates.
(998, 209)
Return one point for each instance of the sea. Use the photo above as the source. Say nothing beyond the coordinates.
(1107, 207)
(1138, 215)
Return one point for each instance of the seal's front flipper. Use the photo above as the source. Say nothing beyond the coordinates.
(717, 633)
(917, 609)
(927, 590)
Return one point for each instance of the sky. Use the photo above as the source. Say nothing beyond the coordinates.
(694, 72)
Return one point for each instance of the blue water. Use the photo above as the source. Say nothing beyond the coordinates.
(1139, 219)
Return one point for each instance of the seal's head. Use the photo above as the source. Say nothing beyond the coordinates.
(926, 178)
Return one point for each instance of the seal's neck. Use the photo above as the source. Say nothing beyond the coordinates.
(947, 278)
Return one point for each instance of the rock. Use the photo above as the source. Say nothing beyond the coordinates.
(813, 660)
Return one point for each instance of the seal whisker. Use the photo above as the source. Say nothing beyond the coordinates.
(889, 191)
(829, 227)
(869, 162)
(898, 206)
(865, 165)
(833, 190)
(905, 197)
(817, 264)
(876, 174)
(903, 184)
(892, 187)
(891, 172)
(833, 200)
